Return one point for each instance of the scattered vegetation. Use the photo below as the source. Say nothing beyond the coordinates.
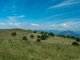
(52, 47)
(75, 43)
(38, 40)
(78, 39)
(51, 34)
(14, 34)
(35, 31)
(44, 36)
(32, 36)
(38, 36)
(25, 38)
(42, 32)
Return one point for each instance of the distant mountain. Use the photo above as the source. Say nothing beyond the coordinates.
(70, 33)
(53, 31)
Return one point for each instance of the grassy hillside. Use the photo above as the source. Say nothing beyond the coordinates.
(54, 48)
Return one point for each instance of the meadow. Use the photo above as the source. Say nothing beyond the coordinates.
(54, 48)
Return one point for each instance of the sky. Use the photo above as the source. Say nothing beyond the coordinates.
(40, 14)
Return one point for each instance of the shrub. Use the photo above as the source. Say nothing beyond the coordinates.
(68, 36)
(63, 36)
(72, 37)
(38, 40)
(78, 39)
(42, 32)
(14, 34)
(44, 37)
(46, 33)
(75, 43)
(38, 36)
(25, 38)
(32, 36)
(35, 31)
(51, 34)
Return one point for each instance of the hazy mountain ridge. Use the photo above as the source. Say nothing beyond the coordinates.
(70, 33)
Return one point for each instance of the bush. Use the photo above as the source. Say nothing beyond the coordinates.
(75, 43)
(44, 37)
(25, 38)
(46, 33)
(32, 36)
(63, 36)
(38, 36)
(78, 39)
(72, 37)
(42, 32)
(35, 31)
(14, 34)
(68, 36)
(51, 34)
(38, 40)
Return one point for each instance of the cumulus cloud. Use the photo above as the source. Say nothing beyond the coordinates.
(65, 26)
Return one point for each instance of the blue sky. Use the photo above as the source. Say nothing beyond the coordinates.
(40, 14)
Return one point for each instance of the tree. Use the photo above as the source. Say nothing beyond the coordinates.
(38, 36)
(68, 36)
(14, 34)
(32, 36)
(75, 43)
(72, 37)
(35, 31)
(38, 40)
(46, 33)
(42, 32)
(25, 38)
(78, 39)
(51, 34)
(44, 37)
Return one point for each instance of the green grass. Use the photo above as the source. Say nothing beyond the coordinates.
(27, 50)
(54, 48)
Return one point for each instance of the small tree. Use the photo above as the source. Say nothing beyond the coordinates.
(42, 32)
(35, 31)
(78, 39)
(44, 36)
(68, 36)
(25, 38)
(38, 40)
(46, 33)
(14, 34)
(72, 37)
(51, 34)
(38, 36)
(75, 43)
(32, 36)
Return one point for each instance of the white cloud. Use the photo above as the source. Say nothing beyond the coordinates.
(66, 3)
(65, 26)
(16, 17)
(17, 24)
(2, 24)
(52, 25)
(32, 24)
